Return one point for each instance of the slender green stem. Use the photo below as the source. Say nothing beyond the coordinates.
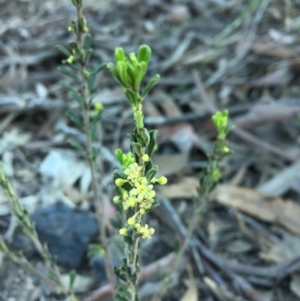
(28, 228)
(96, 187)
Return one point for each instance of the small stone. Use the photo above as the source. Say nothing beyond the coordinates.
(66, 232)
(180, 13)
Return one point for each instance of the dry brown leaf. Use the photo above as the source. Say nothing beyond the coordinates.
(278, 77)
(269, 49)
(169, 164)
(192, 293)
(186, 187)
(181, 134)
(282, 181)
(275, 210)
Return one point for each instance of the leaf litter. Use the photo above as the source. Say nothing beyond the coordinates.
(247, 54)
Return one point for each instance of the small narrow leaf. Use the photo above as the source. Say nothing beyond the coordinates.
(88, 55)
(63, 50)
(67, 72)
(91, 82)
(149, 165)
(87, 42)
(151, 173)
(94, 131)
(95, 151)
(67, 86)
(128, 240)
(119, 174)
(137, 148)
(76, 145)
(75, 118)
(100, 68)
(77, 97)
(153, 81)
(116, 224)
(152, 142)
(119, 155)
(72, 276)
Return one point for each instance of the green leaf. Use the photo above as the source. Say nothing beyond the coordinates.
(177, 246)
(63, 50)
(153, 81)
(127, 187)
(68, 72)
(144, 137)
(119, 174)
(128, 240)
(51, 275)
(119, 155)
(137, 148)
(95, 151)
(131, 97)
(118, 271)
(87, 42)
(152, 143)
(100, 68)
(67, 86)
(75, 118)
(149, 165)
(88, 54)
(77, 97)
(116, 224)
(72, 277)
(151, 173)
(119, 54)
(144, 54)
(132, 137)
(94, 128)
(113, 69)
(91, 82)
(76, 145)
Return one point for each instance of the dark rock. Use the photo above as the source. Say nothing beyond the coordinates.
(66, 232)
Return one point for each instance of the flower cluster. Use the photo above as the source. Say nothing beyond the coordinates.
(140, 197)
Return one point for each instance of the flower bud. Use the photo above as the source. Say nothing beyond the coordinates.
(70, 60)
(119, 54)
(162, 180)
(131, 221)
(123, 231)
(120, 182)
(144, 54)
(145, 158)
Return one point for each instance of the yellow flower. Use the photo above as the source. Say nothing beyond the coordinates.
(145, 231)
(129, 201)
(141, 188)
(133, 172)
